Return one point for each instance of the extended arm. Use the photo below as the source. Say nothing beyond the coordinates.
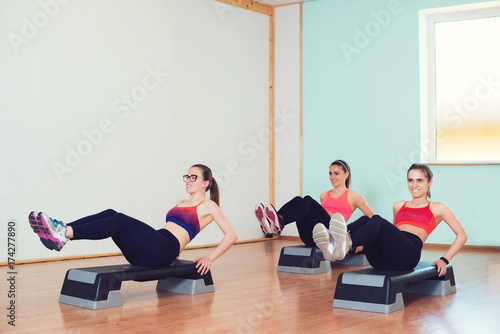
(359, 201)
(444, 213)
(230, 237)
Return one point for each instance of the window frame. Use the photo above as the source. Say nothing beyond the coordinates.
(427, 52)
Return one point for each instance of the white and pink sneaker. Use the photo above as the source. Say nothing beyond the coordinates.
(52, 232)
(260, 214)
(276, 220)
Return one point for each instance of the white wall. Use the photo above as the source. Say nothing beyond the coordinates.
(106, 104)
(287, 106)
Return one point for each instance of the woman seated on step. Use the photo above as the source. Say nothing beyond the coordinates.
(140, 243)
(306, 212)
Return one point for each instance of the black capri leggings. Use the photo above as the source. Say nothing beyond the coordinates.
(385, 246)
(306, 212)
(141, 244)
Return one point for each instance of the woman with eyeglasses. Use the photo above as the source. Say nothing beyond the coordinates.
(140, 243)
(307, 212)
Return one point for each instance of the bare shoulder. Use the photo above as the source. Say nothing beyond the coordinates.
(354, 194)
(442, 213)
(323, 194)
(438, 208)
(209, 205)
(208, 209)
(354, 197)
(398, 205)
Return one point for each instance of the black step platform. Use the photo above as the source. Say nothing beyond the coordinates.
(381, 290)
(99, 287)
(309, 260)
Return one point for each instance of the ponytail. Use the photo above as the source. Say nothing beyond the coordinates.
(212, 185)
(214, 191)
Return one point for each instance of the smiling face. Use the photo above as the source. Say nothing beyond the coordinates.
(194, 186)
(418, 184)
(337, 176)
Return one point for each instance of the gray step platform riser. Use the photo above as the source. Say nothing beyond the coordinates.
(113, 298)
(309, 260)
(324, 267)
(185, 286)
(99, 287)
(370, 307)
(368, 290)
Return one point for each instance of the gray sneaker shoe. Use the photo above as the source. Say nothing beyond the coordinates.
(324, 240)
(343, 242)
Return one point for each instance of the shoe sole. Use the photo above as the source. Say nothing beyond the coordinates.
(38, 227)
(324, 240)
(50, 239)
(338, 229)
(261, 217)
(272, 215)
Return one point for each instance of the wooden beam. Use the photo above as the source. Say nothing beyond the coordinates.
(301, 126)
(272, 146)
(250, 5)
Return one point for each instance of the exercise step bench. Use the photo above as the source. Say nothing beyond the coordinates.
(310, 260)
(381, 290)
(99, 287)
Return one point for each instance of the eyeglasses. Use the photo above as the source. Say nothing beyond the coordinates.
(191, 178)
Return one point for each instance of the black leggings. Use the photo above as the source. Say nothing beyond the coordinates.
(385, 246)
(306, 212)
(141, 244)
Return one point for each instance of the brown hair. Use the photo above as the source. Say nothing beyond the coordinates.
(212, 186)
(427, 171)
(346, 169)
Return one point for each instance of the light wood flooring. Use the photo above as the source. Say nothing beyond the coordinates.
(252, 297)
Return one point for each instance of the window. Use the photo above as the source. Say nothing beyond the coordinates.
(460, 84)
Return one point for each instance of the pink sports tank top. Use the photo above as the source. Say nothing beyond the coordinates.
(337, 205)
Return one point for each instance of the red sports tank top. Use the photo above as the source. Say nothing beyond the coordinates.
(418, 217)
(186, 217)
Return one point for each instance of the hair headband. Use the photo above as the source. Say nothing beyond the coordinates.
(340, 162)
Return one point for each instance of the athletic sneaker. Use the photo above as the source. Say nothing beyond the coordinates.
(343, 242)
(276, 220)
(37, 226)
(54, 230)
(260, 214)
(324, 240)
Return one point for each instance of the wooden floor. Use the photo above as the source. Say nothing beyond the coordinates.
(252, 297)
